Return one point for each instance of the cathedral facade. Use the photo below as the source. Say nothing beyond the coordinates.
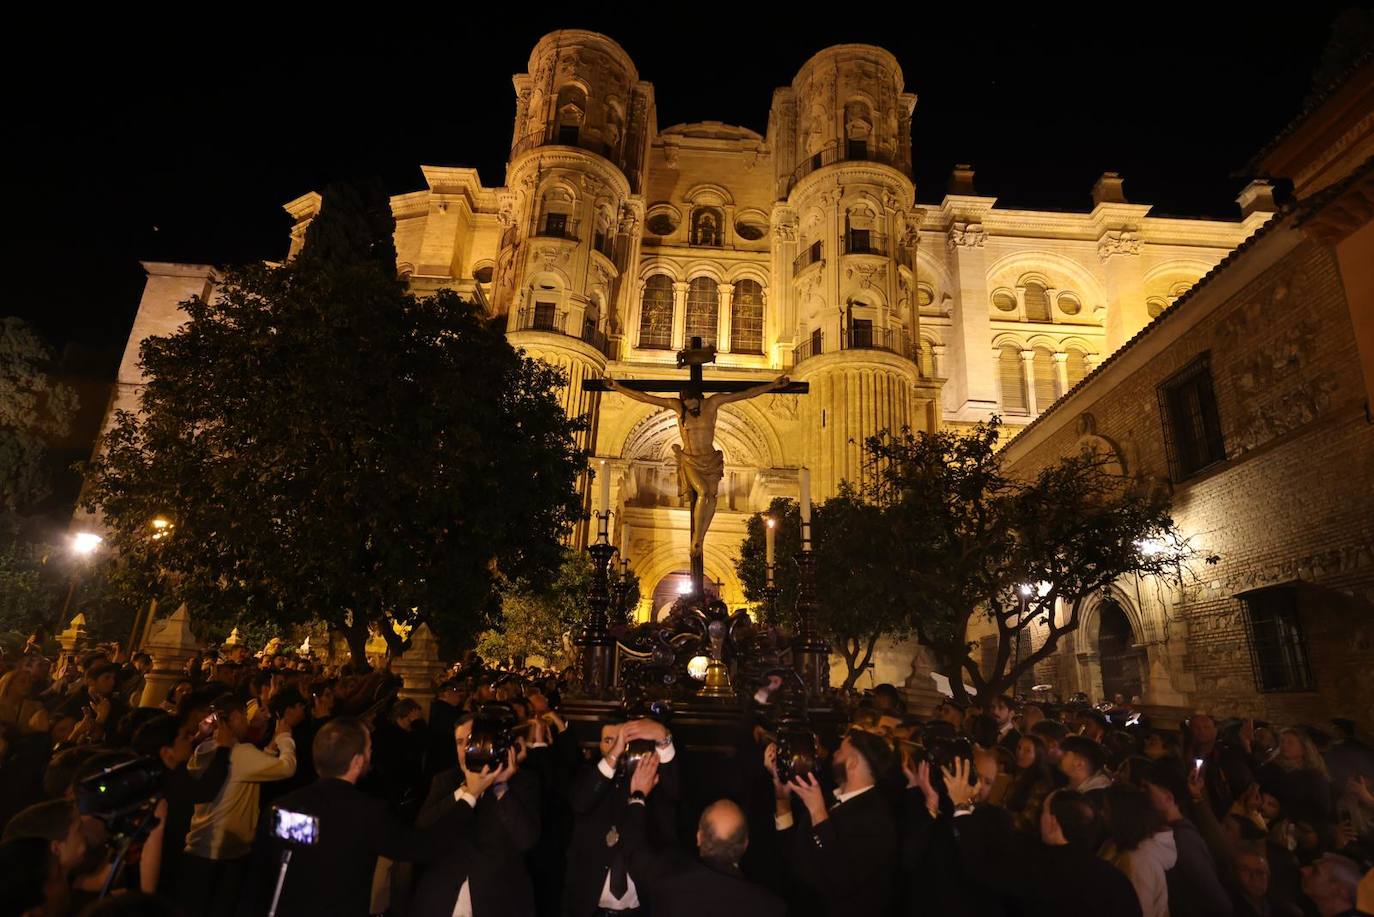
(614, 242)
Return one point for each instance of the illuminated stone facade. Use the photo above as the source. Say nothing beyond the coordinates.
(1273, 478)
(613, 242)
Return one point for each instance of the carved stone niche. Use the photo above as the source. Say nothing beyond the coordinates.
(1112, 460)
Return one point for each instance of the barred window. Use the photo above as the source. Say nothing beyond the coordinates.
(746, 318)
(1014, 399)
(656, 313)
(1278, 647)
(1192, 426)
(703, 310)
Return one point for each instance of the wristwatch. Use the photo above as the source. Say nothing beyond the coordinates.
(964, 807)
(666, 741)
(637, 796)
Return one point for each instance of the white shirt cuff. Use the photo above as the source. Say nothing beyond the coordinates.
(961, 812)
(462, 795)
(666, 753)
(606, 770)
(782, 822)
(637, 802)
(539, 745)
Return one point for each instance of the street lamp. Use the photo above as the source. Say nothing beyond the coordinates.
(83, 546)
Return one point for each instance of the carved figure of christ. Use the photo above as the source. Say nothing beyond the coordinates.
(700, 465)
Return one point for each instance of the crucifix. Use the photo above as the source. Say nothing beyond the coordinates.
(700, 465)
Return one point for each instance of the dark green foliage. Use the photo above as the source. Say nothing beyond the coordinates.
(332, 447)
(859, 600)
(354, 227)
(963, 537)
(34, 410)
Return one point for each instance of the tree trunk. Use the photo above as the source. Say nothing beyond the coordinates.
(356, 636)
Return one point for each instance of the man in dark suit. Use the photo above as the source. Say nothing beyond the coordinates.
(1003, 711)
(675, 886)
(839, 858)
(334, 876)
(600, 878)
(482, 873)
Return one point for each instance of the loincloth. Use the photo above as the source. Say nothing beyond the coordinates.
(698, 474)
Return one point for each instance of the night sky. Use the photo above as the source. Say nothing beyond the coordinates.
(183, 145)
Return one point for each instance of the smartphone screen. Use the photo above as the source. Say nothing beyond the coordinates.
(295, 827)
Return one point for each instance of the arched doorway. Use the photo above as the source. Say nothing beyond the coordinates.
(671, 587)
(1123, 664)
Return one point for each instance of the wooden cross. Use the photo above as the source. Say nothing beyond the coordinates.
(694, 358)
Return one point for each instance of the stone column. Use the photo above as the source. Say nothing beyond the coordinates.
(1061, 371)
(727, 295)
(171, 644)
(1028, 373)
(420, 667)
(972, 375)
(72, 640)
(679, 314)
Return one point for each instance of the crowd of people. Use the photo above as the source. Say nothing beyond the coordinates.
(273, 784)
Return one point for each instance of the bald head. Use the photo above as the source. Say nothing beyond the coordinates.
(722, 833)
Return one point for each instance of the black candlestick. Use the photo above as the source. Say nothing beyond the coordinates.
(594, 643)
(810, 654)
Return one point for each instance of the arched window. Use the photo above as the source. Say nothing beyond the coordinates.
(1013, 378)
(926, 358)
(1077, 366)
(1046, 385)
(746, 318)
(558, 219)
(656, 314)
(703, 311)
(858, 129)
(572, 109)
(1037, 303)
(706, 226)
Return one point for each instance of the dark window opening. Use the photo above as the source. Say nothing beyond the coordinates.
(544, 313)
(568, 133)
(1278, 647)
(1192, 426)
(858, 149)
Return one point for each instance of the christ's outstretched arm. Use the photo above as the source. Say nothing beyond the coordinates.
(752, 392)
(636, 395)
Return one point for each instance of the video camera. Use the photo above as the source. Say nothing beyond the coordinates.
(121, 795)
(637, 750)
(492, 736)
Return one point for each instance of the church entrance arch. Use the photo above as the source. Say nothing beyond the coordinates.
(1123, 664)
(671, 588)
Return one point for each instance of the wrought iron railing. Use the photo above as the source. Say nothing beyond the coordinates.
(837, 152)
(554, 322)
(809, 255)
(549, 227)
(864, 242)
(860, 337)
(556, 138)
